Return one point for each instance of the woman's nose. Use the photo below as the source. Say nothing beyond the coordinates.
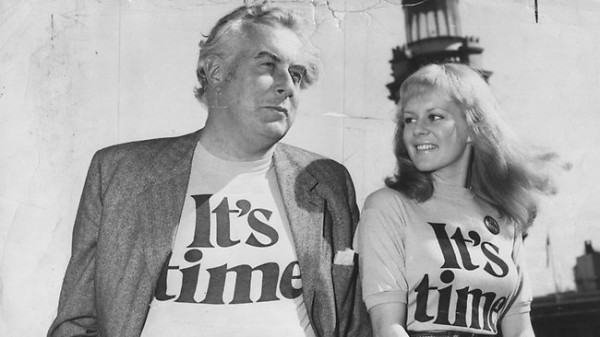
(420, 127)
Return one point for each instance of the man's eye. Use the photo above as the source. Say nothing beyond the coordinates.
(269, 64)
(296, 76)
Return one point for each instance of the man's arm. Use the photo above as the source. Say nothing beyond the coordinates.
(359, 324)
(76, 314)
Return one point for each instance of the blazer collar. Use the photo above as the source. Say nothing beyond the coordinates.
(305, 210)
(164, 197)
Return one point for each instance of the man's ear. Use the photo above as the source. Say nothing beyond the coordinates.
(214, 69)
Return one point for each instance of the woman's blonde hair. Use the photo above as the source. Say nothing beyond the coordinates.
(502, 171)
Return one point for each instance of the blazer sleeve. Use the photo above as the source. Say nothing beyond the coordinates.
(76, 315)
(356, 322)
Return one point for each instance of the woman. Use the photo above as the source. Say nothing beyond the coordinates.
(441, 247)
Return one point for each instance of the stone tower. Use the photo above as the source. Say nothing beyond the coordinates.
(433, 35)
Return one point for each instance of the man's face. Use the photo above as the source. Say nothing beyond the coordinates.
(258, 103)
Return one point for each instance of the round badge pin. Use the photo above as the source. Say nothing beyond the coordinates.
(491, 224)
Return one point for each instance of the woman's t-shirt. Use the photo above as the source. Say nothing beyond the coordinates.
(451, 259)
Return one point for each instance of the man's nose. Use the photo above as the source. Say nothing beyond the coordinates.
(284, 84)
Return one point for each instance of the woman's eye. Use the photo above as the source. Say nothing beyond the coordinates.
(408, 120)
(435, 117)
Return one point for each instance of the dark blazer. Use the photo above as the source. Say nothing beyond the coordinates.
(131, 203)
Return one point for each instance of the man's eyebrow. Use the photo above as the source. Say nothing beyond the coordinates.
(267, 54)
(275, 58)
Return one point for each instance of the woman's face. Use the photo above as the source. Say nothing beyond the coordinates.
(436, 135)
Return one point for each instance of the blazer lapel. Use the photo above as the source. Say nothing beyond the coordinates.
(304, 208)
(163, 199)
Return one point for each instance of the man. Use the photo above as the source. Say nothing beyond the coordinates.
(223, 232)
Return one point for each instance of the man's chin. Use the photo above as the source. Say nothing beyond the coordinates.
(277, 135)
(278, 128)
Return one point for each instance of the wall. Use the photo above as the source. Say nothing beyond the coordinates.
(79, 75)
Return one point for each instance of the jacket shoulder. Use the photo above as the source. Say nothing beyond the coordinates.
(317, 164)
(142, 152)
(135, 148)
(136, 161)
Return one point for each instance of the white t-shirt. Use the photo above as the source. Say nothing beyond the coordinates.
(441, 260)
(233, 270)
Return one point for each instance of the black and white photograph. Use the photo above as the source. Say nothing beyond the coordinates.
(314, 168)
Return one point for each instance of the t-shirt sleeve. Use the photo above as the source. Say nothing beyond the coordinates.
(379, 242)
(522, 297)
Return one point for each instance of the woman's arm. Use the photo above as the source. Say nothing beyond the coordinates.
(381, 254)
(389, 320)
(517, 325)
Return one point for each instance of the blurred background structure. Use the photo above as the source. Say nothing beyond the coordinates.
(576, 312)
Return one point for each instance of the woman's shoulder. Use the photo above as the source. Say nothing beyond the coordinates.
(386, 198)
(385, 210)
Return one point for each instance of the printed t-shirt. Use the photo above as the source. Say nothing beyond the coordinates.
(441, 260)
(233, 270)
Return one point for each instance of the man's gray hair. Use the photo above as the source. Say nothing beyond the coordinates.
(234, 23)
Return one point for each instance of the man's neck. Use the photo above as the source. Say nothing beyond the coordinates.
(223, 146)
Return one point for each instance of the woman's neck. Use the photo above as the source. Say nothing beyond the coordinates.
(458, 180)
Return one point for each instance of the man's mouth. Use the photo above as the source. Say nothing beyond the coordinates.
(278, 108)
